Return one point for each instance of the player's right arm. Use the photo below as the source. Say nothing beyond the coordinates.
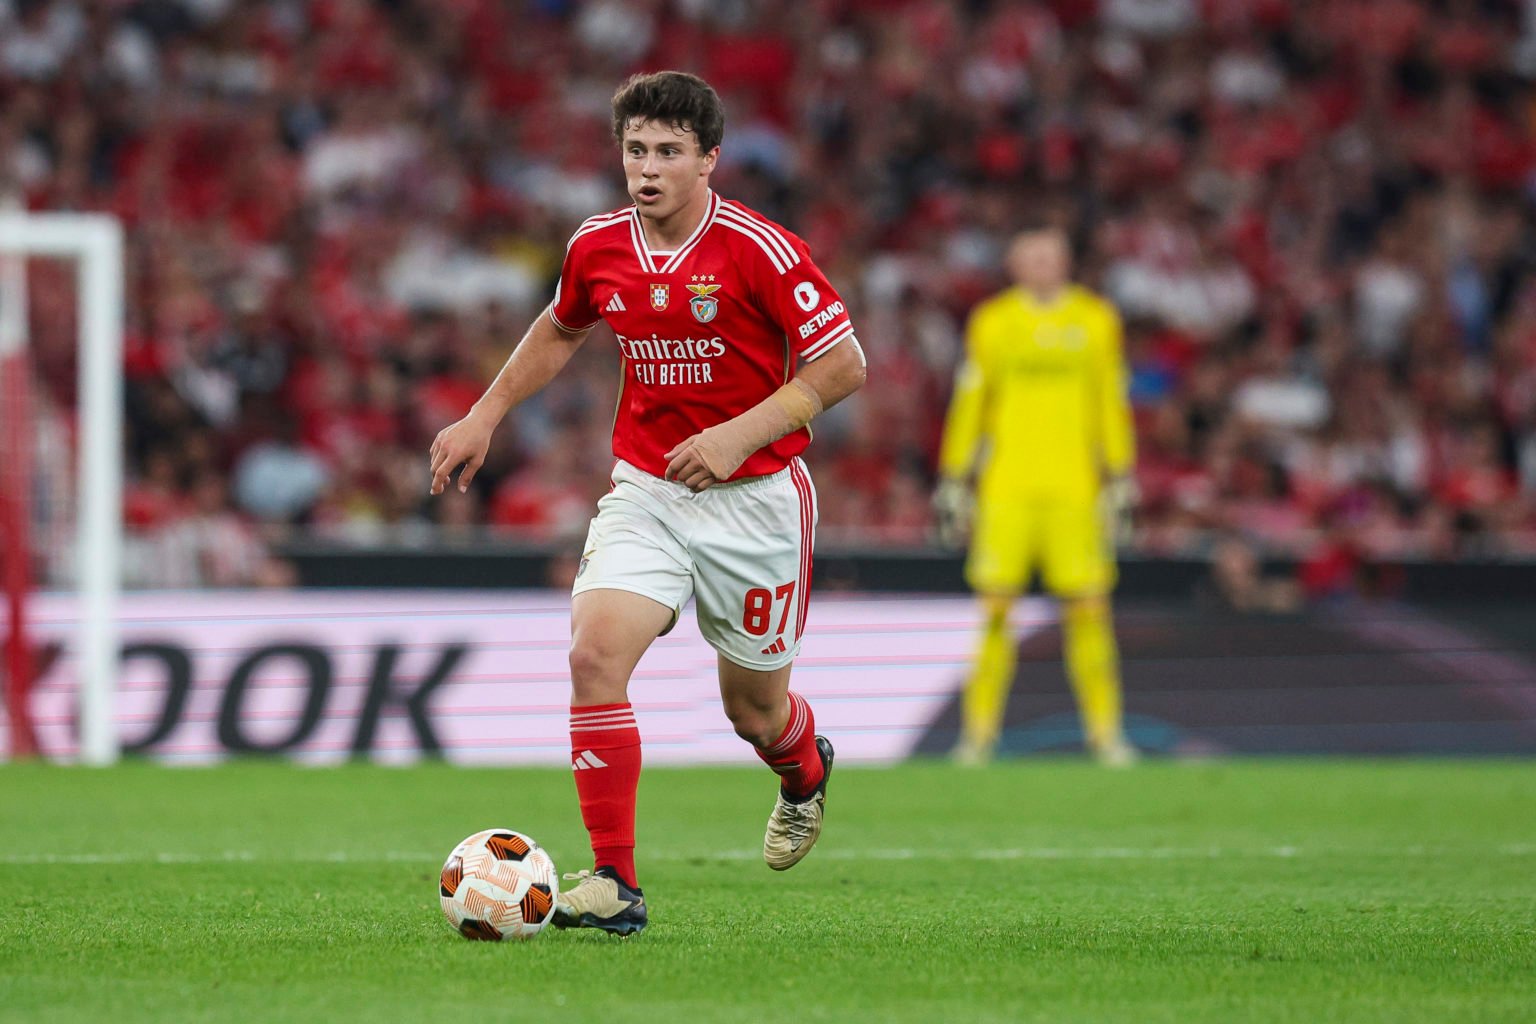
(542, 353)
(545, 349)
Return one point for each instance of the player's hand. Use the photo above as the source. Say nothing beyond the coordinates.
(953, 507)
(1119, 498)
(462, 444)
(707, 458)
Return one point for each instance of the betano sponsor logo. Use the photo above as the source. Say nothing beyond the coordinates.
(821, 319)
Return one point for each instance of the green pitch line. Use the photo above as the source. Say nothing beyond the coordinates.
(1035, 891)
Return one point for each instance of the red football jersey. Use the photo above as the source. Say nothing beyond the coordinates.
(706, 332)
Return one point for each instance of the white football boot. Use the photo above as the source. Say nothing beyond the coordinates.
(794, 826)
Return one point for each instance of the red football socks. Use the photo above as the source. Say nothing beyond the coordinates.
(793, 755)
(605, 755)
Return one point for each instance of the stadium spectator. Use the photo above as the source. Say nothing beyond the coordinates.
(1316, 218)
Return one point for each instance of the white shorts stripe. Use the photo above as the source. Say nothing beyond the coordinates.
(803, 489)
(807, 536)
(805, 549)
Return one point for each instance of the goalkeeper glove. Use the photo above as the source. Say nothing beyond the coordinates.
(953, 507)
(1117, 502)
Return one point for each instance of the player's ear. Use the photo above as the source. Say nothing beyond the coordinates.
(710, 159)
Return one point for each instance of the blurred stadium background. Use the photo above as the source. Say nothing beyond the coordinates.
(1316, 219)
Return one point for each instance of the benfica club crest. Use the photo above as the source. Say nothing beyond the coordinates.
(704, 305)
(659, 293)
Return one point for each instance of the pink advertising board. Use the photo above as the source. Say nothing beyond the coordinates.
(478, 677)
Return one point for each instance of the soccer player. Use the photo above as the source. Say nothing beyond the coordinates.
(732, 341)
(1043, 390)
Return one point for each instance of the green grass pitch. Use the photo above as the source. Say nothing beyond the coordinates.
(1032, 891)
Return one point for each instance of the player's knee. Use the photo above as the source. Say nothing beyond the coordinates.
(755, 731)
(1088, 608)
(752, 722)
(996, 608)
(597, 673)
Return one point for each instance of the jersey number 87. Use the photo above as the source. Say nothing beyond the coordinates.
(758, 612)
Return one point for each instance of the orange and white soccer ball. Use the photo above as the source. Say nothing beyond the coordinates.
(498, 884)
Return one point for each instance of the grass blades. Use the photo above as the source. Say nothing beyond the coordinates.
(1030, 891)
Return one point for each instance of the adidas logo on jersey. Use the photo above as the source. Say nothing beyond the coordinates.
(587, 759)
(615, 304)
(777, 647)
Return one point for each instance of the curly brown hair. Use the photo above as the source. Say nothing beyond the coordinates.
(685, 101)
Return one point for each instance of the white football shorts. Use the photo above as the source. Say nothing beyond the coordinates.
(742, 548)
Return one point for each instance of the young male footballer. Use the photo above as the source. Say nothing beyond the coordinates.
(732, 341)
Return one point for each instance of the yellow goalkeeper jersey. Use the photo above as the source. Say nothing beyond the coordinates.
(1040, 399)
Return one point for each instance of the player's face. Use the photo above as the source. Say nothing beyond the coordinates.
(1039, 261)
(664, 168)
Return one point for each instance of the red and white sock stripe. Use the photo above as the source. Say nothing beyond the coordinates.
(794, 729)
(603, 717)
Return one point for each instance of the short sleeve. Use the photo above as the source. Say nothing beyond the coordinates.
(572, 309)
(804, 304)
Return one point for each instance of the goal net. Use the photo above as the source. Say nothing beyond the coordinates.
(61, 480)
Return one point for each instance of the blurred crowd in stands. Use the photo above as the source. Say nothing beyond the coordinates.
(1316, 218)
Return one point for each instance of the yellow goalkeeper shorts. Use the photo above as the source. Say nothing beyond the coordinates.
(1066, 541)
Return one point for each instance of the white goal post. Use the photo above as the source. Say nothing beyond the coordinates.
(95, 241)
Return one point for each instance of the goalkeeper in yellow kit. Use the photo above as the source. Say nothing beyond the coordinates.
(1040, 422)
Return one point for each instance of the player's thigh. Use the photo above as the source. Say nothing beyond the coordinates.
(752, 556)
(618, 621)
(632, 583)
(1002, 547)
(610, 630)
(1077, 559)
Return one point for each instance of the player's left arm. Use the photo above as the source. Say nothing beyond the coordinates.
(712, 455)
(1117, 437)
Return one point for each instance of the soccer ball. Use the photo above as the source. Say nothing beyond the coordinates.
(498, 884)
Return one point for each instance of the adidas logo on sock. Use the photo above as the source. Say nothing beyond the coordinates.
(615, 304)
(587, 759)
(777, 647)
